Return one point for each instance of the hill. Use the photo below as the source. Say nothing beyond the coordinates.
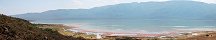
(18, 29)
(146, 10)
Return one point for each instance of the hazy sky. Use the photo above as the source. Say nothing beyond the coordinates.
(12, 7)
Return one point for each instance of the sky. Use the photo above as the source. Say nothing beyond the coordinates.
(13, 7)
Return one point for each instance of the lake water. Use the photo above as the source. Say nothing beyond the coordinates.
(138, 25)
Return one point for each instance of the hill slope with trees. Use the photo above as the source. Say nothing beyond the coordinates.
(18, 29)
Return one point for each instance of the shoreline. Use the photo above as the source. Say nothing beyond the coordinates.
(73, 30)
(171, 35)
(75, 27)
(104, 33)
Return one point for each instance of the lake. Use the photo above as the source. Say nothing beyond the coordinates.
(137, 25)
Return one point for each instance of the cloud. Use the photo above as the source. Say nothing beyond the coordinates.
(207, 1)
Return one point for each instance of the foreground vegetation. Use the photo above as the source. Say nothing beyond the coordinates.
(62, 30)
(18, 29)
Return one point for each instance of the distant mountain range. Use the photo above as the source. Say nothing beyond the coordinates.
(145, 10)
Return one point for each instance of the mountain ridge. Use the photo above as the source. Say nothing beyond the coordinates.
(145, 10)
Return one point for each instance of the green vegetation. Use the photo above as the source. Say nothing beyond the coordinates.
(125, 38)
(62, 30)
(18, 29)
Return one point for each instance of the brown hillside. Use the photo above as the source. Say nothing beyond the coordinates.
(18, 29)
